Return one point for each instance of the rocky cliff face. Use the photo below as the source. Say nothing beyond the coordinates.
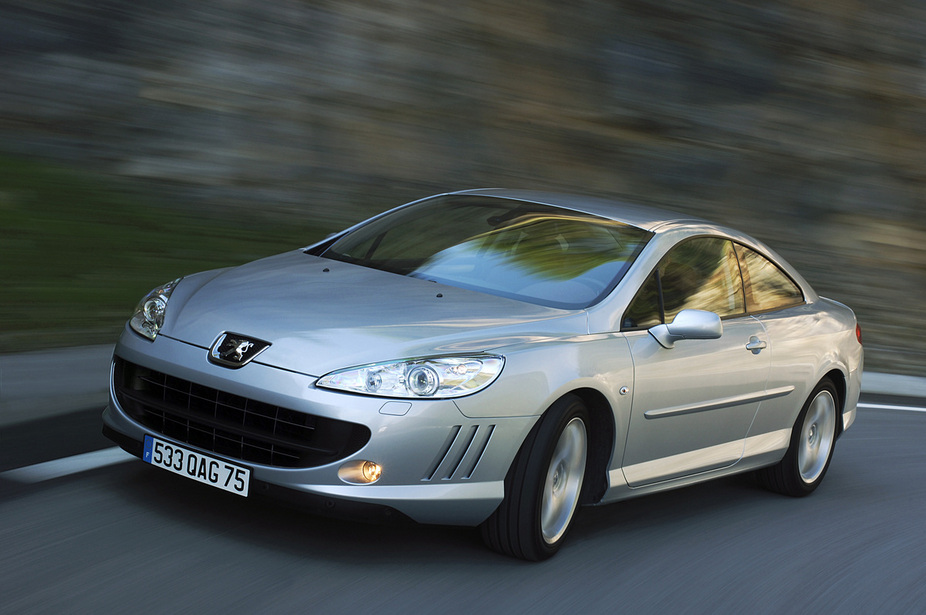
(802, 123)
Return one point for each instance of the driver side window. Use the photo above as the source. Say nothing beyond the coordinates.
(700, 273)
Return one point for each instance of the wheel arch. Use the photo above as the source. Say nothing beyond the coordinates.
(601, 437)
(839, 381)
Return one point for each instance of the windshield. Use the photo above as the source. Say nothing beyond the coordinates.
(525, 251)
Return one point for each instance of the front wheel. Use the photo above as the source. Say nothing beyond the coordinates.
(543, 486)
(813, 438)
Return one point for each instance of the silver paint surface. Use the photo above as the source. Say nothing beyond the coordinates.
(700, 410)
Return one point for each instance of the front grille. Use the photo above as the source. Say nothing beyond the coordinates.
(232, 425)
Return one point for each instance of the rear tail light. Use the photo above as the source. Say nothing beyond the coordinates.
(858, 333)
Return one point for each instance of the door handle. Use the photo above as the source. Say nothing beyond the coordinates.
(756, 345)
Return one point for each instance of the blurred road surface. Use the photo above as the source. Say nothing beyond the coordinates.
(127, 537)
(102, 532)
(35, 385)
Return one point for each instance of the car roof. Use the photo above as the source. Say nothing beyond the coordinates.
(646, 218)
(650, 219)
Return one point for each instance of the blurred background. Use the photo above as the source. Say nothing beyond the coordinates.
(141, 140)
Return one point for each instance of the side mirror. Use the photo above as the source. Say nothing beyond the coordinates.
(688, 325)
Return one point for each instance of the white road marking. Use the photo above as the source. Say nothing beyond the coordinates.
(890, 407)
(69, 465)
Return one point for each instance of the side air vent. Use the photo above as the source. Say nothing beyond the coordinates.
(461, 453)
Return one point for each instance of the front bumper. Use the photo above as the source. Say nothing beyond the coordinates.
(439, 466)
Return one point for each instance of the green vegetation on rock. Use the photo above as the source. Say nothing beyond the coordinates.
(78, 251)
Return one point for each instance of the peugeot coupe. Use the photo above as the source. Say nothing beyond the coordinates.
(491, 358)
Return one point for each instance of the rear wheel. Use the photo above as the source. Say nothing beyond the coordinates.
(813, 438)
(543, 486)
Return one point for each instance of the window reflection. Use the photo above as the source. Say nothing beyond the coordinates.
(700, 273)
(768, 287)
(511, 248)
(645, 310)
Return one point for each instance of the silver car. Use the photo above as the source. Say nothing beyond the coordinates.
(493, 358)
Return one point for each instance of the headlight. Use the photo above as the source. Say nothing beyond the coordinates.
(432, 377)
(149, 313)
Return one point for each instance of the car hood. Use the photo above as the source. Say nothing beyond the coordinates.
(320, 315)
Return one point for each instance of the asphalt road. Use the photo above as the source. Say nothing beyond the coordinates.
(127, 538)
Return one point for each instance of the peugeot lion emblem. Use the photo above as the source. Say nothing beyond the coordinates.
(234, 350)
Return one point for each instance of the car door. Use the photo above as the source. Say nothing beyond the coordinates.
(693, 403)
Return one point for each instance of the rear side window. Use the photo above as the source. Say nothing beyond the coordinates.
(767, 287)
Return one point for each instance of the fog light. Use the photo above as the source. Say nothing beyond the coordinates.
(360, 472)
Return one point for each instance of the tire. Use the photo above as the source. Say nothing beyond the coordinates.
(543, 485)
(813, 439)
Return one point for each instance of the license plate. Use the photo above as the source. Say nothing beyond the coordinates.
(201, 468)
